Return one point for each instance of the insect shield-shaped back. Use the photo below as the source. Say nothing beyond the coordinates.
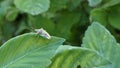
(43, 33)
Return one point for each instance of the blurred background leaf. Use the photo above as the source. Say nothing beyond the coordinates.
(32, 7)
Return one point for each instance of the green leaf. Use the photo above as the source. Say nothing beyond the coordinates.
(58, 5)
(32, 7)
(99, 15)
(94, 3)
(113, 17)
(72, 57)
(28, 51)
(4, 6)
(22, 28)
(65, 23)
(111, 3)
(72, 4)
(99, 39)
(12, 14)
(7, 30)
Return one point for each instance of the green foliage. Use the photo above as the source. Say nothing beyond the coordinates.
(4, 6)
(113, 17)
(32, 7)
(110, 3)
(28, 50)
(107, 13)
(12, 14)
(60, 15)
(31, 50)
(68, 19)
(99, 15)
(72, 57)
(57, 5)
(105, 44)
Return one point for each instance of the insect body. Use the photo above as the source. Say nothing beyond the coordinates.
(43, 33)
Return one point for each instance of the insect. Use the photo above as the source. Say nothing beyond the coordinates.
(43, 33)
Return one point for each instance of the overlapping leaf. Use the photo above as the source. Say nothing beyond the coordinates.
(73, 57)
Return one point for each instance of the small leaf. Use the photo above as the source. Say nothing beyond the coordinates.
(32, 7)
(113, 17)
(99, 15)
(28, 51)
(4, 6)
(12, 14)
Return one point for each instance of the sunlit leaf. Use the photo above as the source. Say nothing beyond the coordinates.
(28, 51)
(72, 57)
